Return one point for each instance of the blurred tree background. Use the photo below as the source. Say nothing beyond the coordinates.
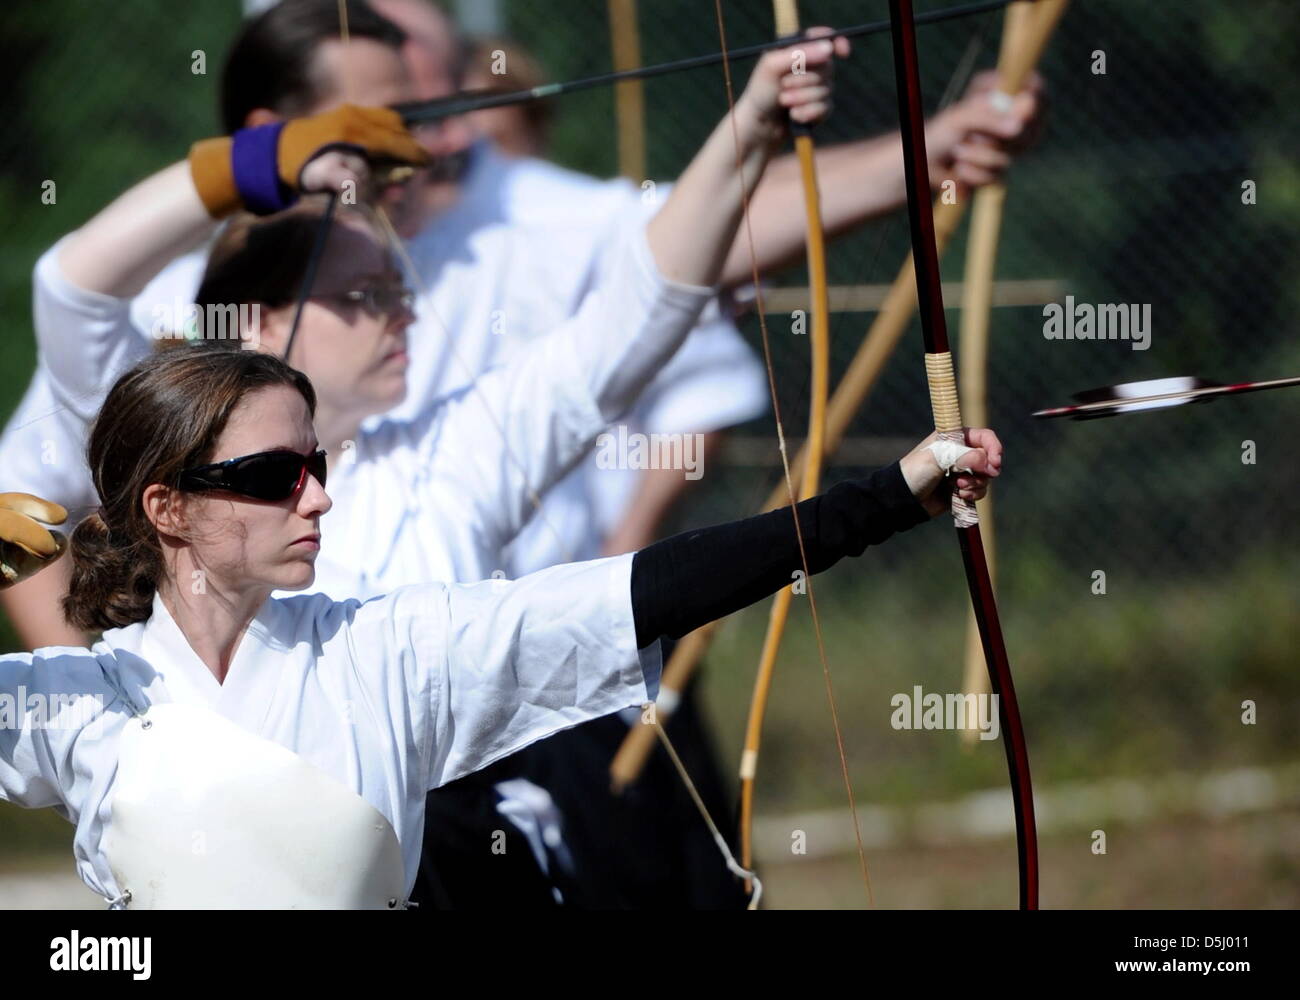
(1134, 194)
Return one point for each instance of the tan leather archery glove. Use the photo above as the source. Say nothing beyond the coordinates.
(26, 545)
(260, 168)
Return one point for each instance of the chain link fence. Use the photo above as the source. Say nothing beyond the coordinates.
(1166, 178)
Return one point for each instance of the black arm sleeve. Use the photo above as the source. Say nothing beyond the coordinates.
(683, 582)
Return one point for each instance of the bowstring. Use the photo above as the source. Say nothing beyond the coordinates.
(781, 442)
(327, 217)
(734, 866)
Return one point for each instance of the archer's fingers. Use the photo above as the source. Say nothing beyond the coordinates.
(806, 114)
(840, 47)
(17, 563)
(983, 439)
(27, 534)
(978, 489)
(806, 103)
(34, 507)
(981, 156)
(977, 163)
(793, 81)
(971, 177)
(983, 82)
(336, 170)
(975, 461)
(804, 58)
(1033, 84)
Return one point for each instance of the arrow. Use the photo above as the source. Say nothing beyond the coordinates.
(417, 112)
(1154, 394)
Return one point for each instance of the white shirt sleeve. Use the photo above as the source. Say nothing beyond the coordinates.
(492, 667)
(42, 451)
(52, 712)
(715, 381)
(554, 397)
(86, 339)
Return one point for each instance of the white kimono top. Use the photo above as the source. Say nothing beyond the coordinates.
(391, 697)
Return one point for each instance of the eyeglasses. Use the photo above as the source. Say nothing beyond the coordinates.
(268, 475)
(376, 300)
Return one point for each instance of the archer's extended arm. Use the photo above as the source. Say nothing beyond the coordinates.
(686, 581)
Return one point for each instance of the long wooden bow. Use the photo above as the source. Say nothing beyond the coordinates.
(1028, 28)
(948, 422)
(787, 25)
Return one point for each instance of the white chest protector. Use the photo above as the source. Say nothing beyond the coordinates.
(207, 815)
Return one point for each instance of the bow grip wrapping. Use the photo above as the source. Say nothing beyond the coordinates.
(947, 421)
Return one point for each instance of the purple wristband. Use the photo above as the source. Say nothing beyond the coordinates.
(253, 160)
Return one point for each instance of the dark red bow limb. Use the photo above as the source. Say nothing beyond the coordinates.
(943, 397)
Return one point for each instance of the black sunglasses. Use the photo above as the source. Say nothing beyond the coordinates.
(268, 475)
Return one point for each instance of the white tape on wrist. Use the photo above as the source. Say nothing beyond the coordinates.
(946, 454)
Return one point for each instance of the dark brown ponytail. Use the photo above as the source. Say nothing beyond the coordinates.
(163, 416)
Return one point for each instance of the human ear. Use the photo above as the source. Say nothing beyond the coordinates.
(270, 331)
(164, 509)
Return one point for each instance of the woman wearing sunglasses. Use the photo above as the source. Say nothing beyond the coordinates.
(220, 747)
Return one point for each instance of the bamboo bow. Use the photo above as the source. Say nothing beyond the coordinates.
(787, 25)
(1028, 28)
